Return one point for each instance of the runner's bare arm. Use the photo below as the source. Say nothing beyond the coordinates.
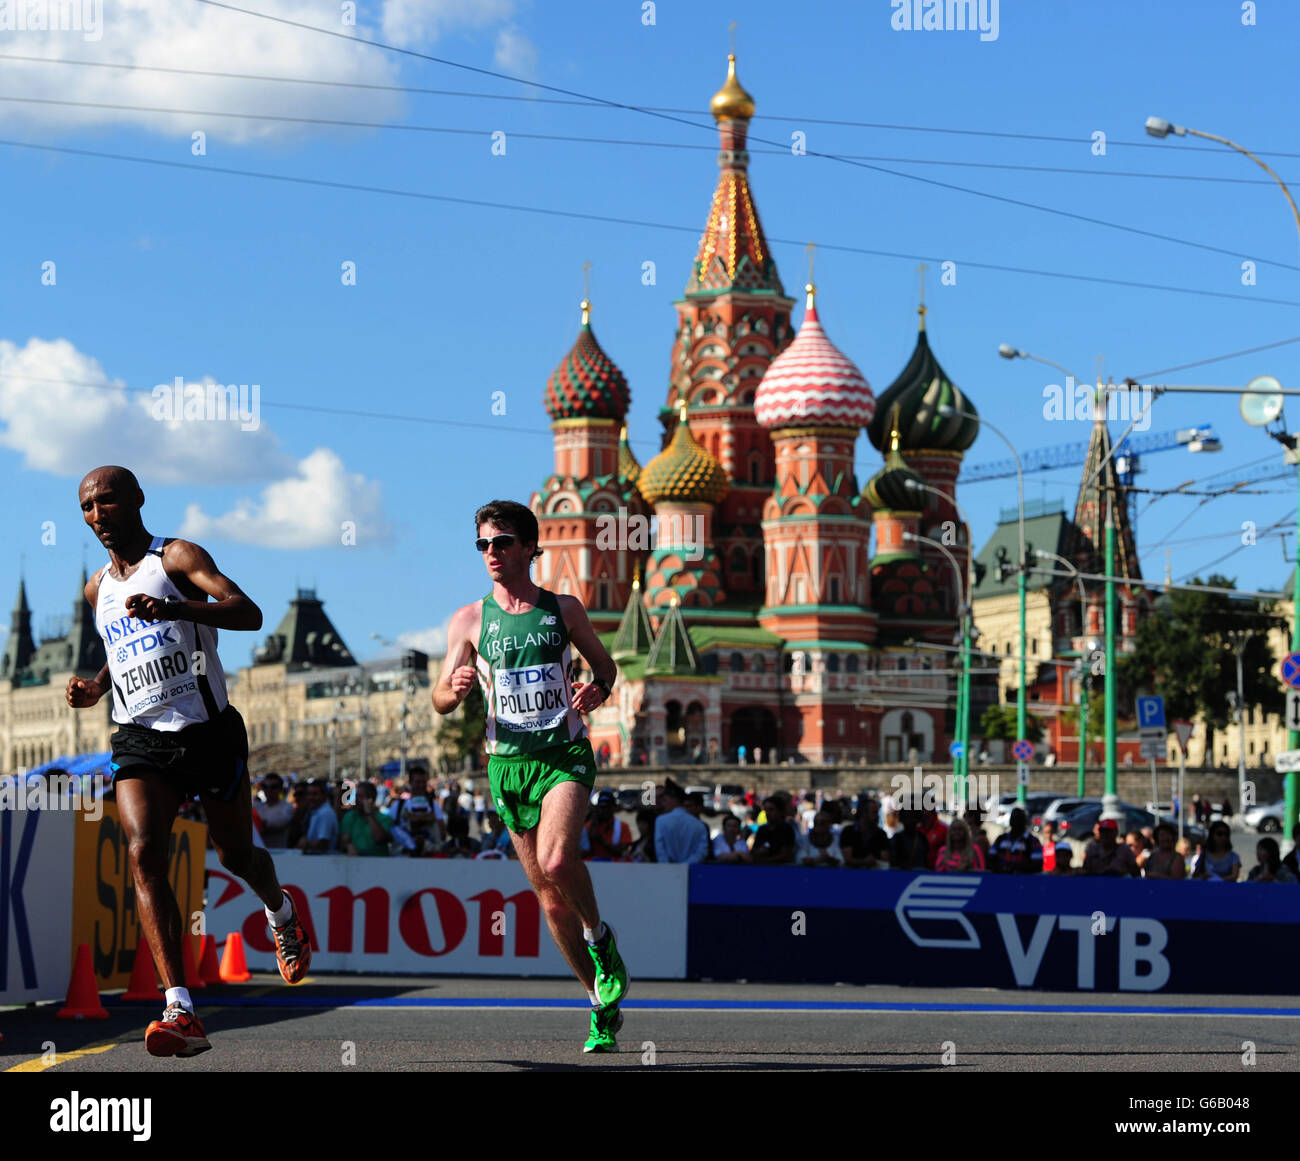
(192, 569)
(81, 693)
(458, 673)
(589, 695)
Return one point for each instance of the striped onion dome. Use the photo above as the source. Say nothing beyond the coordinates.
(812, 383)
(683, 471)
(586, 384)
(628, 468)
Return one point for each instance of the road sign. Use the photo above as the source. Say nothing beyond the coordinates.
(1022, 774)
(1151, 718)
(1153, 748)
(1293, 709)
(1023, 750)
(1287, 761)
(956, 749)
(1184, 732)
(1291, 670)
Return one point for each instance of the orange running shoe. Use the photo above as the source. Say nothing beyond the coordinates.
(178, 1033)
(292, 950)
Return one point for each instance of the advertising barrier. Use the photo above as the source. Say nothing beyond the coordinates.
(103, 900)
(993, 931)
(36, 849)
(448, 916)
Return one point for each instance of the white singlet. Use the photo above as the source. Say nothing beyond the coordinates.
(166, 674)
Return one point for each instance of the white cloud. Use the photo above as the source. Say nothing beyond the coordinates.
(515, 53)
(185, 35)
(62, 412)
(432, 641)
(322, 505)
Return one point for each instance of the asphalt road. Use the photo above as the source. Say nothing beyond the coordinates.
(385, 1024)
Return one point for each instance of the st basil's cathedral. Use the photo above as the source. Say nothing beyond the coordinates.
(778, 607)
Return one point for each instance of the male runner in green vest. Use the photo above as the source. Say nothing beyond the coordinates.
(516, 643)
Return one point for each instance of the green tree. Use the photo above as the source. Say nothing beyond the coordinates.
(461, 734)
(1184, 653)
(999, 722)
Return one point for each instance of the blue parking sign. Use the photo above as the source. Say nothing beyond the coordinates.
(1151, 712)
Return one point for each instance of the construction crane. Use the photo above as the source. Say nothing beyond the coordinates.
(1128, 458)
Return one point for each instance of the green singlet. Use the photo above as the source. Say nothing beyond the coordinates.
(534, 737)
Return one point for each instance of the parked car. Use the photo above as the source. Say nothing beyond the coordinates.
(1034, 805)
(629, 797)
(1058, 808)
(705, 792)
(724, 792)
(1077, 826)
(1266, 819)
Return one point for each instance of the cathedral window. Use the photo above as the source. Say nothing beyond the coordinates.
(737, 663)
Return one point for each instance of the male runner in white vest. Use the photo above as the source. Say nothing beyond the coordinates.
(178, 735)
(515, 643)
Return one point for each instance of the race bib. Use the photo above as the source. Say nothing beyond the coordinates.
(532, 698)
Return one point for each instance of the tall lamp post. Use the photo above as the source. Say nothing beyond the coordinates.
(961, 764)
(1022, 768)
(1159, 127)
(1240, 638)
(963, 687)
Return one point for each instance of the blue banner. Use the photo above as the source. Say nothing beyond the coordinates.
(1054, 933)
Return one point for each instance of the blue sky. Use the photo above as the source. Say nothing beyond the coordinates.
(174, 270)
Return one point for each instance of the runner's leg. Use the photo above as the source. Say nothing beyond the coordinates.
(230, 826)
(564, 923)
(564, 810)
(147, 804)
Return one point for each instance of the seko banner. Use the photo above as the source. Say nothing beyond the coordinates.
(993, 931)
(447, 916)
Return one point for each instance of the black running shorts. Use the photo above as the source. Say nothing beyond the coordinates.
(207, 760)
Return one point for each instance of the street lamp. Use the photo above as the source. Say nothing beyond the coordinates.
(1159, 127)
(1089, 645)
(960, 764)
(1240, 638)
(1022, 768)
(963, 687)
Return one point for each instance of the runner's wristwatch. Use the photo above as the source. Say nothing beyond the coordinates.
(172, 607)
(602, 684)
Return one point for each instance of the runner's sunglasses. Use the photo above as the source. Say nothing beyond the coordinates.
(501, 540)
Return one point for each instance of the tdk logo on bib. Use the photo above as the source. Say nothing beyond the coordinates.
(519, 678)
(532, 697)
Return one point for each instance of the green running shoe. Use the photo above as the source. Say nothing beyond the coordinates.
(611, 974)
(604, 1023)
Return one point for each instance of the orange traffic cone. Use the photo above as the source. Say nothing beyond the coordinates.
(193, 981)
(233, 968)
(83, 996)
(209, 968)
(144, 979)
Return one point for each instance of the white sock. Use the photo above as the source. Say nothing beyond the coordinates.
(283, 915)
(595, 999)
(591, 937)
(179, 996)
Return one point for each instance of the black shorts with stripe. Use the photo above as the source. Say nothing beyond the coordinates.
(206, 760)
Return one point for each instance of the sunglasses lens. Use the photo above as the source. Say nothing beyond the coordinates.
(502, 540)
(480, 545)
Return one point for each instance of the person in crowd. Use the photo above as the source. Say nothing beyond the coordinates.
(605, 837)
(935, 831)
(1057, 853)
(643, 849)
(807, 812)
(1269, 867)
(1106, 855)
(821, 845)
(1218, 861)
(365, 829)
(459, 845)
(1165, 862)
(679, 838)
(908, 849)
(301, 815)
(862, 843)
(480, 808)
(1226, 808)
(1292, 861)
(775, 843)
(274, 812)
(979, 836)
(959, 853)
(1184, 847)
(496, 838)
(693, 804)
(1137, 843)
(322, 823)
(1015, 851)
(729, 845)
(419, 823)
